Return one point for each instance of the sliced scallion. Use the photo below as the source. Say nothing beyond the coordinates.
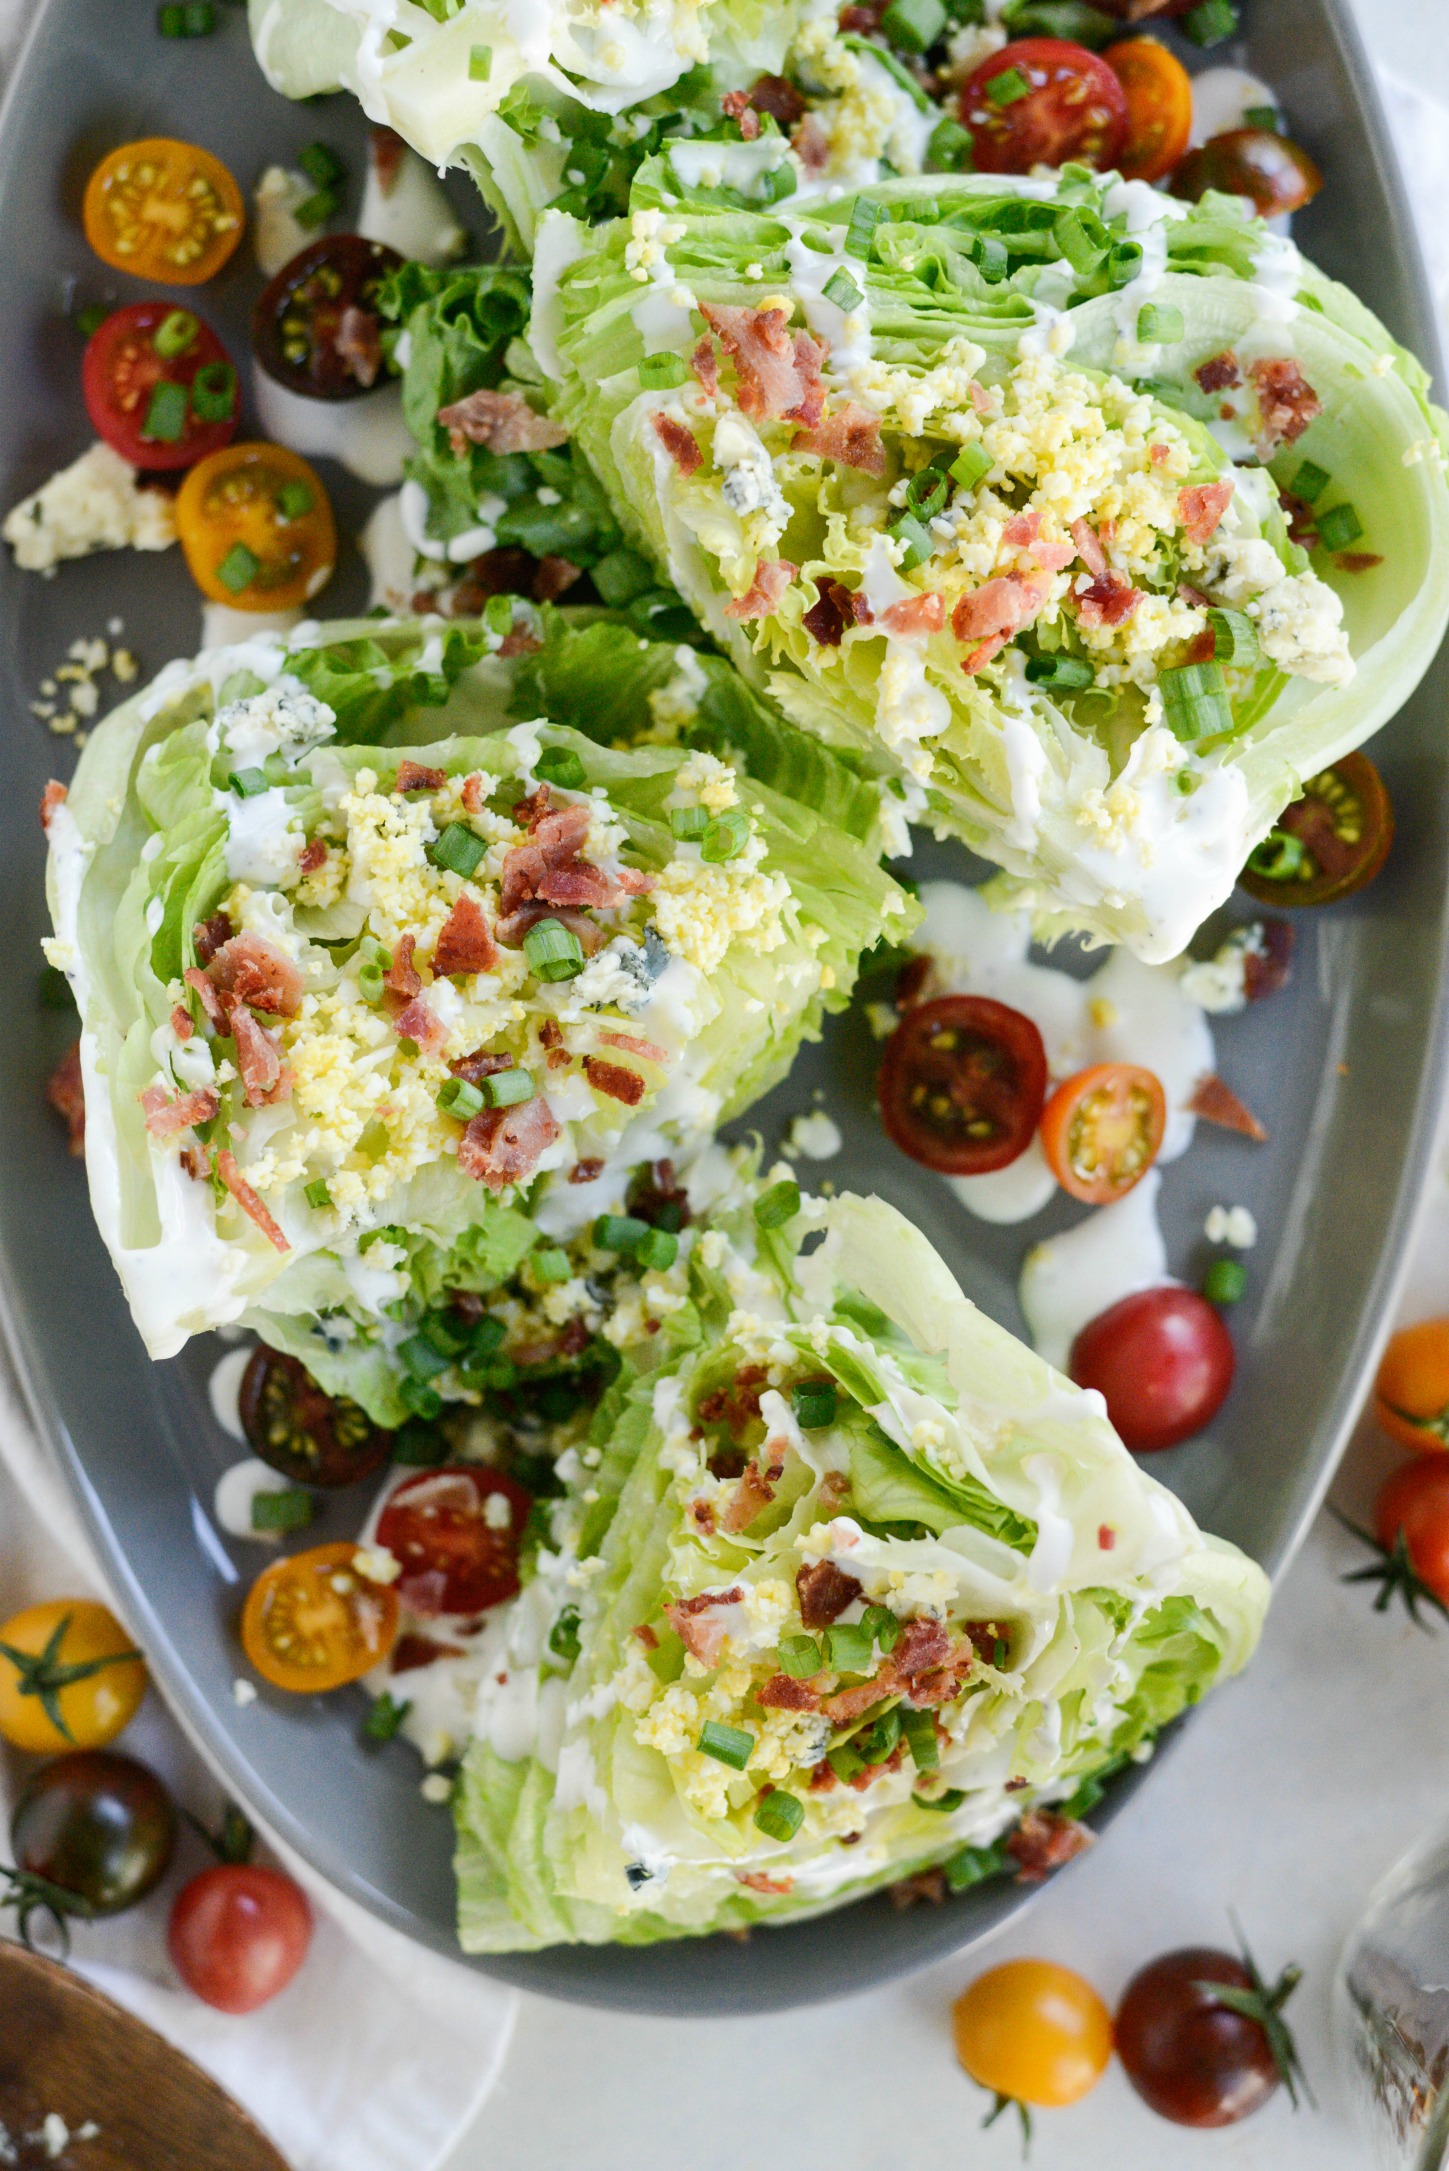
(969, 465)
(688, 823)
(865, 217)
(657, 1248)
(318, 1196)
(1008, 88)
(619, 1232)
(1159, 323)
(1310, 482)
(841, 289)
(550, 1263)
(165, 420)
(456, 1097)
(458, 851)
(726, 1744)
(1225, 1281)
(779, 1815)
(882, 1626)
(662, 372)
(919, 544)
(726, 837)
(781, 1203)
(238, 569)
(1059, 674)
(175, 333)
(950, 149)
(248, 783)
(814, 1402)
(1235, 639)
(919, 1728)
(480, 63)
(1210, 22)
(848, 1647)
(288, 1510)
(321, 164)
(507, 1088)
(1339, 527)
(914, 25)
(800, 1657)
(1195, 701)
(554, 951)
(926, 493)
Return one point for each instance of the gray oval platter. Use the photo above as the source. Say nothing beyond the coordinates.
(1343, 1067)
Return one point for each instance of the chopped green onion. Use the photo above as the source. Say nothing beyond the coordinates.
(727, 1744)
(507, 1088)
(1267, 118)
(175, 333)
(1124, 262)
(213, 399)
(919, 543)
(848, 1647)
(550, 1264)
(726, 836)
(914, 25)
(248, 783)
(903, 79)
(662, 372)
(480, 63)
(969, 465)
(948, 1799)
(1008, 87)
(1161, 322)
(688, 823)
(841, 289)
(999, 1654)
(321, 164)
(781, 1203)
(1235, 639)
(171, 22)
(619, 1232)
(657, 1248)
(950, 148)
(193, 19)
(926, 492)
(1081, 237)
(779, 1815)
(560, 765)
(775, 186)
(317, 1195)
(89, 320)
(498, 616)
(458, 1098)
(369, 981)
(385, 1717)
(919, 1728)
(554, 951)
(1310, 482)
(487, 1336)
(165, 420)
(875, 1743)
(295, 500)
(1195, 701)
(1059, 674)
(814, 1403)
(388, 1233)
(422, 1360)
(881, 1625)
(973, 1865)
(445, 1332)
(563, 1637)
(1211, 22)
(458, 851)
(318, 209)
(800, 1657)
(844, 1762)
(990, 257)
(1225, 1281)
(865, 217)
(238, 568)
(417, 1445)
(289, 1510)
(419, 1400)
(1339, 527)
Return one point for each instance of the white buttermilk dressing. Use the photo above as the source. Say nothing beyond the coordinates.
(1073, 1278)
(367, 435)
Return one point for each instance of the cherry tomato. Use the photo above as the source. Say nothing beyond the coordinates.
(1327, 844)
(238, 1934)
(163, 210)
(1411, 1392)
(315, 328)
(1102, 1130)
(70, 1677)
(962, 1084)
(1163, 1362)
(158, 386)
(1414, 1503)
(1033, 2032)
(1190, 2058)
(256, 526)
(1255, 162)
(312, 1622)
(98, 1825)
(457, 1546)
(1043, 101)
(1159, 107)
(312, 1437)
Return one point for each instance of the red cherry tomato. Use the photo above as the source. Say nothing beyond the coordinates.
(1414, 1502)
(1043, 101)
(1191, 2059)
(1163, 1362)
(1102, 1130)
(158, 386)
(238, 1934)
(459, 1551)
(962, 1084)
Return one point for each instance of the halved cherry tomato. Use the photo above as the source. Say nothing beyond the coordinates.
(163, 210)
(456, 1530)
(1043, 101)
(1275, 172)
(312, 1622)
(1162, 1361)
(315, 328)
(1159, 107)
(1102, 1130)
(311, 1437)
(256, 526)
(1329, 843)
(1413, 1504)
(158, 386)
(1411, 1393)
(962, 1084)
(238, 1934)
(1033, 2032)
(70, 1677)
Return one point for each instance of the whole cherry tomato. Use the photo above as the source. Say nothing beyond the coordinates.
(1163, 1362)
(238, 1934)
(456, 1530)
(311, 1622)
(1159, 107)
(311, 1437)
(1043, 101)
(1033, 2032)
(97, 1825)
(164, 210)
(158, 386)
(1278, 175)
(70, 1677)
(1192, 2055)
(1413, 1507)
(1102, 1130)
(1411, 1392)
(962, 1084)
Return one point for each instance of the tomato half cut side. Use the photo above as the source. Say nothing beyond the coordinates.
(1277, 173)
(159, 386)
(1162, 1361)
(316, 327)
(162, 209)
(1328, 844)
(312, 1622)
(456, 1531)
(1158, 90)
(257, 529)
(1043, 101)
(311, 1437)
(962, 1084)
(1102, 1130)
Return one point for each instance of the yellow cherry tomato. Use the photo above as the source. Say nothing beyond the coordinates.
(256, 527)
(70, 1677)
(312, 1622)
(163, 210)
(1411, 1393)
(1033, 2032)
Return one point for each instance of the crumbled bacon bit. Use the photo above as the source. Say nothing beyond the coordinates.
(1159, 455)
(195, 1163)
(1109, 601)
(1043, 1841)
(697, 1624)
(522, 641)
(851, 435)
(752, 1496)
(314, 856)
(782, 1693)
(704, 363)
(551, 1040)
(759, 1881)
(824, 1591)
(412, 1651)
(1201, 508)
(810, 144)
(209, 936)
(779, 372)
(912, 978)
(465, 943)
(416, 1022)
(915, 617)
(615, 1080)
(772, 576)
(247, 1199)
(385, 148)
(181, 1022)
(702, 1515)
(1203, 647)
(586, 1171)
(196, 979)
(471, 792)
(1287, 403)
(1192, 596)
(357, 342)
(413, 777)
(549, 867)
(822, 1778)
(265, 1077)
(926, 1886)
(65, 1092)
(735, 105)
(1216, 1102)
(646, 1635)
(501, 421)
(479, 1065)
(649, 1051)
(1219, 372)
(1357, 561)
(166, 1116)
(777, 96)
(1106, 1537)
(847, 1705)
(249, 969)
(924, 1646)
(1021, 529)
(502, 1146)
(1089, 547)
(833, 610)
(737, 1405)
(679, 441)
(999, 607)
(554, 577)
(54, 795)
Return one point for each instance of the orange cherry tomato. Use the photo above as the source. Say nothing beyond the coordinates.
(70, 1677)
(1102, 1130)
(1033, 2032)
(164, 210)
(257, 529)
(1411, 1393)
(312, 1622)
(1159, 107)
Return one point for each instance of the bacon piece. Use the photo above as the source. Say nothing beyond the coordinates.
(465, 943)
(522, 641)
(165, 1116)
(1287, 403)
(65, 1091)
(923, 1647)
(411, 1651)
(704, 362)
(737, 1405)
(249, 969)
(1202, 507)
(824, 1591)
(983, 652)
(1021, 529)
(649, 1050)
(415, 1021)
(548, 866)
(1106, 1538)
(1357, 561)
(512, 928)
(679, 442)
(1053, 557)
(1269, 968)
(247, 1199)
(314, 856)
(778, 371)
(1043, 1841)
(358, 345)
(697, 1624)
(702, 1515)
(752, 1495)
(847, 1705)
(1159, 455)
(501, 421)
(471, 792)
(554, 577)
(1203, 648)
(402, 977)
(925, 1887)
(646, 1636)
(777, 96)
(208, 936)
(872, 1772)
(915, 617)
(781, 1693)
(1216, 1102)
(850, 435)
(181, 1022)
(529, 812)
(810, 144)
(1186, 593)
(616, 1080)
(822, 1778)
(265, 1077)
(502, 1146)
(1003, 605)
(385, 148)
(830, 614)
(735, 105)
(586, 1171)
(552, 1041)
(1110, 601)
(1089, 547)
(771, 578)
(413, 777)
(759, 1880)
(54, 795)
(1219, 372)
(196, 979)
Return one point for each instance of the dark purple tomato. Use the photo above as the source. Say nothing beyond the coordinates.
(316, 327)
(98, 1825)
(311, 1437)
(1191, 2059)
